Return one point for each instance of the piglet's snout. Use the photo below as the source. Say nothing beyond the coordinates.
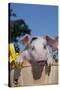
(40, 54)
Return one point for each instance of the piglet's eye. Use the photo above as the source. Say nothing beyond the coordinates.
(33, 48)
(44, 46)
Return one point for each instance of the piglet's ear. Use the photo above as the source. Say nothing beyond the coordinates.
(51, 42)
(25, 37)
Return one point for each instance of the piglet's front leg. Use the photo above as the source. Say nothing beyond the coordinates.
(49, 63)
(22, 57)
(49, 58)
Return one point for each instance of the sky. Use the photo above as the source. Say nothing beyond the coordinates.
(41, 19)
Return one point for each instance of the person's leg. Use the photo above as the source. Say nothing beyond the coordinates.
(17, 74)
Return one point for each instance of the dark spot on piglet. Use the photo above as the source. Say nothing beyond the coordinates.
(34, 38)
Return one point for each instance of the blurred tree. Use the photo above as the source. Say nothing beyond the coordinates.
(17, 28)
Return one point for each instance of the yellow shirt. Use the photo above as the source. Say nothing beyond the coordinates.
(12, 52)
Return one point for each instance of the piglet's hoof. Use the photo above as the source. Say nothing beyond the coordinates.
(47, 69)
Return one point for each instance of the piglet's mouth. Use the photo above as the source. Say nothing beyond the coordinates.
(42, 62)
